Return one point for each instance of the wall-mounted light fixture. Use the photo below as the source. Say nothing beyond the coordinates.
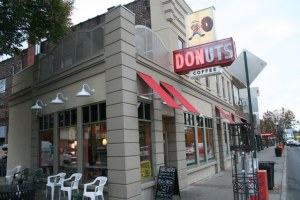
(57, 100)
(150, 97)
(146, 96)
(84, 93)
(38, 105)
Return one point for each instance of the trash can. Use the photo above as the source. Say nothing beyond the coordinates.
(269, 166)
(278, 152)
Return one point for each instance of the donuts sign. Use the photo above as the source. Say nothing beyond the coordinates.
(220, 52)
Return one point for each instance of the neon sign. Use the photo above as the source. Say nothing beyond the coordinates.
(221, 52)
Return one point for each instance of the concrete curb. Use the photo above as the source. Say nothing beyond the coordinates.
(283, 182)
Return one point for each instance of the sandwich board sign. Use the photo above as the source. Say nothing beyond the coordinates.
(167, 183)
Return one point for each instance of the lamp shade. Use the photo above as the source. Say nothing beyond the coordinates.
(38, 105)
(103, 141)
(83, 93)
(57, 101)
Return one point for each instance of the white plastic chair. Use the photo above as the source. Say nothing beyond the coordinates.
(10, 173)
(98, 189)
(73, 186)
(54, 181)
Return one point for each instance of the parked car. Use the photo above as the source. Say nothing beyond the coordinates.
(292, 143)
(297, 143)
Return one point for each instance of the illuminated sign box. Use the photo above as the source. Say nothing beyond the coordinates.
(220, 52)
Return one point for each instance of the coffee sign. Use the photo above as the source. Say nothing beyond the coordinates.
(220, 52)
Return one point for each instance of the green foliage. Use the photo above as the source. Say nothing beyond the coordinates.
(31, 21)
(277, 121)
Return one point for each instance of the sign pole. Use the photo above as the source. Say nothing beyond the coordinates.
(254, 158)
(249, 101)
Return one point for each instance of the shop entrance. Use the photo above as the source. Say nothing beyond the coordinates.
(221, 146)
(168, 130)
(166, 154)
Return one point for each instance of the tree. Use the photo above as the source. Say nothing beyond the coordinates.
(31, 21)
(277, 121)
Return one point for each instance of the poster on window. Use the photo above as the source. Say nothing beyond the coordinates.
(200, 27)
(145, 169)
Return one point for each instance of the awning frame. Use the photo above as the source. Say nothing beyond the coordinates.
(238, 118)
(225, 114)
(159, 90)
(180, 98)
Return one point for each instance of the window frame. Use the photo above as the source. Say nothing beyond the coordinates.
(145, 119)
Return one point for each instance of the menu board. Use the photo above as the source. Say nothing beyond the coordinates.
(167, 183)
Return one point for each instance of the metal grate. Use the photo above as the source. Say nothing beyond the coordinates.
(242, 137)
(244, 162)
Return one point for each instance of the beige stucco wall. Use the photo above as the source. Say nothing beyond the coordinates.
(96, 82)
(19, 141)
(204, 107)
(22, 80)
(167, 21)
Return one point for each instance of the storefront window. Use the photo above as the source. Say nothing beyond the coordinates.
(94, 141)
(46, 144)
(190, 148)
(67, 141)
(226, 146)
(209, 139)
(190, 145)
(144, 114)
(68, 149)
(200, 131)
(95, 150)
(145, 149)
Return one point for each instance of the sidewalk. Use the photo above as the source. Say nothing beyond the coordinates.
(219, 186)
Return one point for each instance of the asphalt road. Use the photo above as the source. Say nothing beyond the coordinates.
(293, 173)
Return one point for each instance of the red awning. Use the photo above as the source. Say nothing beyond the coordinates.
(265, 135)
(161, 92)
(237, 118)
(225, 114)
(180, 98)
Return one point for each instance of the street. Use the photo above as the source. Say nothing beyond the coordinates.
(293, 176)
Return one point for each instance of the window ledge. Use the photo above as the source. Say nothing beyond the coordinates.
(200, 167)
(148, 184)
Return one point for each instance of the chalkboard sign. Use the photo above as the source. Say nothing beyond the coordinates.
(167, 183)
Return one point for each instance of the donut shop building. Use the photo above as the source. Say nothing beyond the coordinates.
(115, 99)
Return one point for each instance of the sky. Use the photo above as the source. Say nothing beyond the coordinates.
(269, 29)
